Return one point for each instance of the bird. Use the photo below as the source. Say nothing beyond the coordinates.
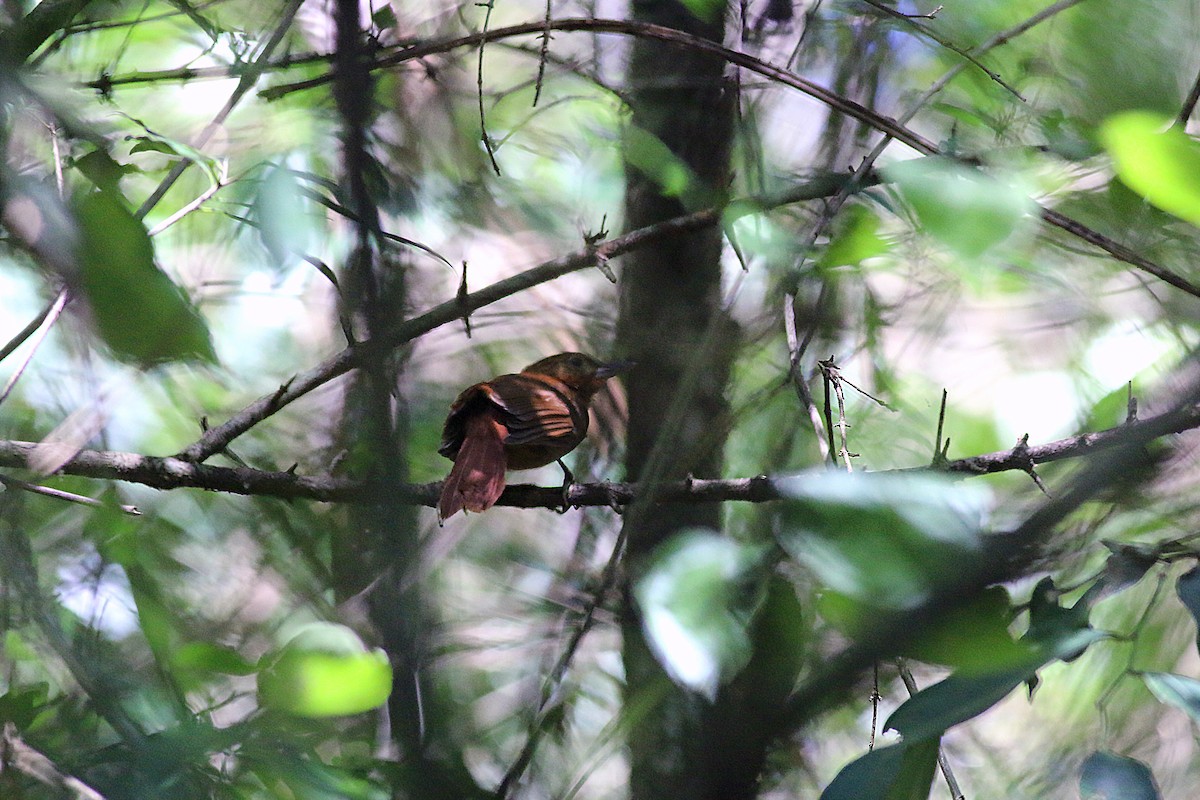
(517, 421)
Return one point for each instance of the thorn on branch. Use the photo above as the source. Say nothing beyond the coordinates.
(1131, 405)
(1023, 456)
(461, 299)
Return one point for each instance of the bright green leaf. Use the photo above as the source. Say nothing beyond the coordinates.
(697, 600)
(325, 671)
(1177, 690)
(899, 772)
(855, 238)
(1160, 163)
(1106, 776)
(967, 209)
(888, 541)
(139, 312)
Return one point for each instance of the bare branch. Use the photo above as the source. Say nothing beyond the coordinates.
(215, 439)
(176, 473)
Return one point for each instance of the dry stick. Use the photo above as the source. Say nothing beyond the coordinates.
(17, 755)
(23, 335)
(175, 473)
(216, 438)
(1189, 105)
(59, 494)
(542, 54)
(49, 319)
(946, 43)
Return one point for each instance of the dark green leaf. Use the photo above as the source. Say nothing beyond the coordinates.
(974, 637)
(139, 312)
(954, 700)
(101, 169)
(1188, 589)
(1107, 776)
(207, 657)
(899, 772)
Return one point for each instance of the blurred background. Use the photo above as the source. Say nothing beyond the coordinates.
(934, 276)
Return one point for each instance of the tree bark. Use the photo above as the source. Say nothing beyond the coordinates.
(672, 323)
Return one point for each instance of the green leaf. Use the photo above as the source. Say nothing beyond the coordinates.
(954, 700)
(968, 210)
(697, 600)
(141, 315)
(101, 169)
(1159, 162)
(649, 155)
(1058, 631)
(1107, 776)
(325, 671)
(207, 657)
(1177, 690)
(899, 772)
(973, 638)
(887, 541)
(855, 238)
(281, 213)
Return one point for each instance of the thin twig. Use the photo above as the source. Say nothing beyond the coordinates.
(44, 324)
(218, 183)
(941, 40)
(245, 84)
(544, 51)
(487, 140)
(16, 754)
(1189, 105)
(943, 763)
(216, 438)
(59, 494)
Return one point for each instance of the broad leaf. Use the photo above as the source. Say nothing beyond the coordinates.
(886, 541)
(1177, 690)
(325, 671)
(968, 210)
(1188, 589)
(1106, 776)
(1159, 162)
(697, 600)
(141, 315)
(900, 772)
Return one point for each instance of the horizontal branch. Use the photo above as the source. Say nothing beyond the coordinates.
(217, 438)
(176, 473)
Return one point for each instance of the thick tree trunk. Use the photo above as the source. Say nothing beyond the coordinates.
(672, 323)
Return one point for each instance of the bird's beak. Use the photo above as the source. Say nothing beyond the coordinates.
(612, 368)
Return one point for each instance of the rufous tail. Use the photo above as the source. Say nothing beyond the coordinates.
(477, 478)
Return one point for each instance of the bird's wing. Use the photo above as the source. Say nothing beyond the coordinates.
(538, 409)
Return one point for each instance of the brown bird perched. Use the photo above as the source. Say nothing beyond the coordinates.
(519, 421)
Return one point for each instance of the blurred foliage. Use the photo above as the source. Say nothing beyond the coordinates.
(198, 650)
